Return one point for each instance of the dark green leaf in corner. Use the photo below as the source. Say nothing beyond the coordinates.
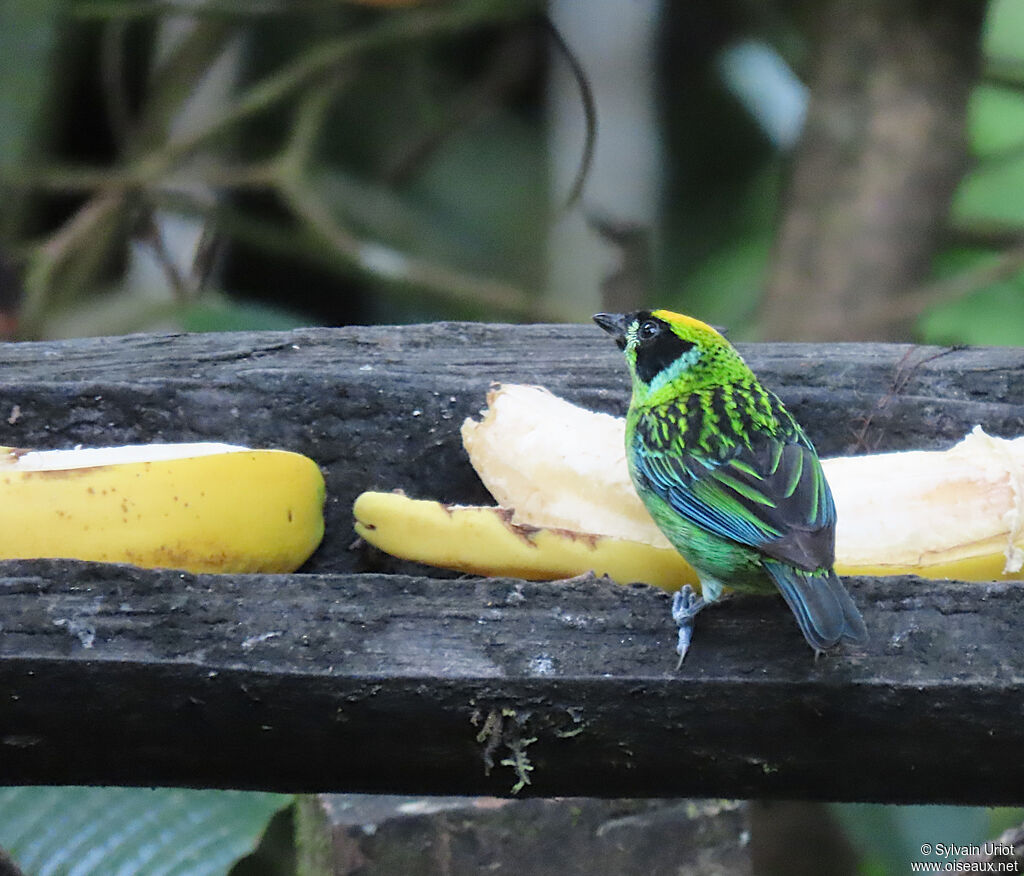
(102, 831)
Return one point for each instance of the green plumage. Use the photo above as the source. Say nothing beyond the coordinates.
(729, 476)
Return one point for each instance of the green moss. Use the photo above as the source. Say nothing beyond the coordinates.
(504, 727)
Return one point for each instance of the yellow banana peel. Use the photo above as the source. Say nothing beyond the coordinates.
(566, 505)
(484, 541)
(199, 507)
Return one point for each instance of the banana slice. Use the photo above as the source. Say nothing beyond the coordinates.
(567, 505)
(198, 507)
(484, 541)
(557, 464)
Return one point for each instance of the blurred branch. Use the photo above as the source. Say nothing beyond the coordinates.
(69, 179)
(331, 54)
(296, 159)
(509, 68)
(162, 159)
(913, 303)
(349, 251)
(186, 58)
(385, 262)
(152, 235)
(314, 63)
(112, 74)
(256, 232)
(589, 105)
(988, 234)
(77, 237)
(125, 10)
(295, 184)
(1004, 72)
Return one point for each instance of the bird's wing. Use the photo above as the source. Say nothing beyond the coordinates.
(771, 496)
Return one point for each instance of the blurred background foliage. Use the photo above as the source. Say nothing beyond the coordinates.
(211, 165)
(790, 169)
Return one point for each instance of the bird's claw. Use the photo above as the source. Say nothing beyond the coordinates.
(683, 645)
(686, 604)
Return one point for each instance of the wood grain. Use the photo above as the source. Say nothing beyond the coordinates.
(348, 678)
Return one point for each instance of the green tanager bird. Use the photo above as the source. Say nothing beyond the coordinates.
(729, 477)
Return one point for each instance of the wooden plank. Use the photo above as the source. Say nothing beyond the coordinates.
(567, 836)
(380, 407)
(400, 684)
(346, 679)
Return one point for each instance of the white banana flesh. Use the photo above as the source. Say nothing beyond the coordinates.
(555, 467)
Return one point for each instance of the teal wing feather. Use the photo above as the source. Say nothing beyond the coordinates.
(770, 495)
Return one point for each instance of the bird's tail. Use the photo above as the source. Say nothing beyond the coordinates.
(823, 609)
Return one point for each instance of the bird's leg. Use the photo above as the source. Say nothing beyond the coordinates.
(686, 605)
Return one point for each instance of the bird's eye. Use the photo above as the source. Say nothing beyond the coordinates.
(648, 329)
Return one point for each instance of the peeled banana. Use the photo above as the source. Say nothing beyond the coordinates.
(567, 505)
(484, 541)
(199, 507)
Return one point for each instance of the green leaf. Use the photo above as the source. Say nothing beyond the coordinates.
(724, 287)
(991, 194)
(217, 314)
(991, 315)
(28, 32)
(1002, 818)
(1003, 37)
(890, 837)
(995, 120)
(74, 831)
(499, 218)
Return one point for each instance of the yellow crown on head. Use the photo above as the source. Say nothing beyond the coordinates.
(681, 319)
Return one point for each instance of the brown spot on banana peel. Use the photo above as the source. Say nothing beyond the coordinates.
(957, 513)
(528, 532)
(587, 538)
(521, 530)
(484, 541)
(208, 512)
(460, 539)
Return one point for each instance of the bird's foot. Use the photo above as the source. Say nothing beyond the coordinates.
(686, 605)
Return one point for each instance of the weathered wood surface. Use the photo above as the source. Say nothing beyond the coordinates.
(568, 836)
(380, 408)
(386, 683)
(343, 679)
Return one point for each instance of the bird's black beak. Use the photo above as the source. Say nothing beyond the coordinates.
(615, 324)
